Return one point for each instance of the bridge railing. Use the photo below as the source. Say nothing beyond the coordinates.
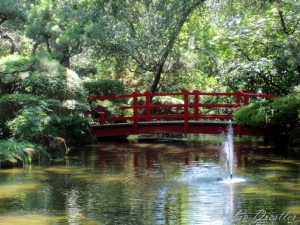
(191, 100)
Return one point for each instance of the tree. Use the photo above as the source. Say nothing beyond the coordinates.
(12, 17)
(257, 47)
(49, 23)
(144, 33)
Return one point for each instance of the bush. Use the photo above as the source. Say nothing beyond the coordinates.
(10, 82)
(48, 90)
(28, 122)
(49, 117)
(11, 104)
(74, 128)
(51, 80)
(39, 75)
(106, 87)
(274, 113)
(278, 117)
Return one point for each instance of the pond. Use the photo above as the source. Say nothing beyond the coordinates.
(155, 182)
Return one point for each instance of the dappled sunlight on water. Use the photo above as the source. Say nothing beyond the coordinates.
(154, 183)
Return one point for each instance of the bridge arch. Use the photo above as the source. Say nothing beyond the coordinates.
(190, 121)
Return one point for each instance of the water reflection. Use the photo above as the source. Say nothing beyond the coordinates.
(154, 183)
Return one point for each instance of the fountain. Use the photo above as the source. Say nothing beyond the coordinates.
(228, 148)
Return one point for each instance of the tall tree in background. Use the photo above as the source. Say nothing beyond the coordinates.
(257, 45)
(142, 31)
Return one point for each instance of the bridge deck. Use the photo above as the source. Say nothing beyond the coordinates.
(173, 127)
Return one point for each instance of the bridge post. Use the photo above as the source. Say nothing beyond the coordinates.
(135, 112)
(238, 97)
(147, 105)
(186, 111)
(238, 129)
(246, 99)
(196, 103)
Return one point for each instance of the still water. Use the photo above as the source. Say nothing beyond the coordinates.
(155, 182)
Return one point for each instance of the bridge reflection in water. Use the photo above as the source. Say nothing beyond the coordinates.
(188, 116)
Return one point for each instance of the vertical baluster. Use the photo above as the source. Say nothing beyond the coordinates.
(186, 111)
(196, 104)
(135, 112)
(147, 105)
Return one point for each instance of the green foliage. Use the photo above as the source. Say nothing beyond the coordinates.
(52, 80)
(257, 49)
(48, 23)
(85, 71)
(40, 75)
(12, 19)
(28, 122)
(49, 117)
(74, 128)
(11, 104)
(15, 69)
(13, 63)
(157, 100)
(106, 87)
(12, 149)
(141, 35)
(275, 113)
(59, 91)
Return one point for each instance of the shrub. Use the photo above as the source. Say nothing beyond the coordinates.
(10, 105)
(106, 87)
(10, 81)
(29, 121)
(39, 75)
(49, 117)
(46, 90)
(51, 80)
(74, 128)
(274, 113)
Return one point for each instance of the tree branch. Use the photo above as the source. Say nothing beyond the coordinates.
(18, 71)
(269, 81)
(35, 46)
(13, 44)
(170, 44)
(285, 30)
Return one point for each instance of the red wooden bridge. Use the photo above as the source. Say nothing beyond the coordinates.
(183, 117)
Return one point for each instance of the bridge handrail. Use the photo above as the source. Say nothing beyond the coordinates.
(242, 98)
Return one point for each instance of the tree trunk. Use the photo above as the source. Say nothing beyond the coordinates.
(157, 77)
(170, 45)
(13, 44)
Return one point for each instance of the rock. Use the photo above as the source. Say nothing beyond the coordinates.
(41, 139)
(9, 163)
(55, 146)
